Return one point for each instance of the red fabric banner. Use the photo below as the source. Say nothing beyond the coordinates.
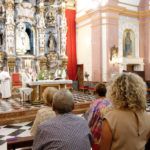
(71, 44)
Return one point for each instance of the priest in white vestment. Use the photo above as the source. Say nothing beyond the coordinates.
(26, 77)
(5, 84)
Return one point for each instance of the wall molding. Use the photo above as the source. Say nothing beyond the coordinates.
(114, 9)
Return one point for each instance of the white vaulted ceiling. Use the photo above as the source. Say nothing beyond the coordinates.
(131, 2)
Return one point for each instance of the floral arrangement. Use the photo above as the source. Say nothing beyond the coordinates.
(41, 75)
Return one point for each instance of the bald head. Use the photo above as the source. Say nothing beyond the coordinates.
(63, 102)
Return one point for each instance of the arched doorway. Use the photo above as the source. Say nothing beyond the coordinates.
(30, 34)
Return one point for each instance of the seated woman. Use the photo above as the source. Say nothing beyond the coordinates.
(96, 112)
(45, 112)
(127, 126)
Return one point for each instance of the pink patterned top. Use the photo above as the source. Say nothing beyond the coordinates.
(98, 109)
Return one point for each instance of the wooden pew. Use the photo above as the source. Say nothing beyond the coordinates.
(147, 146)
(20, 142)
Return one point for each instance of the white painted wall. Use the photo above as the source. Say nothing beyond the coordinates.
(81, 6)
(84, 48)
(84, 5)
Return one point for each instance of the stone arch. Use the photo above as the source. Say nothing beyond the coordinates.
(31, 37)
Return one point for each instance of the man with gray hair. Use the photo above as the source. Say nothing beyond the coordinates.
(66, 131)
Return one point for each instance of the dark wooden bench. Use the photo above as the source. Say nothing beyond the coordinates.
(20, 142)
(147, 146)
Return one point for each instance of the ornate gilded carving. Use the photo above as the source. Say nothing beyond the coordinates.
(3, 59)
(9, 4)
(52, 63)
(50, 17)
(11, 63)
(42, 61)
(35, 18)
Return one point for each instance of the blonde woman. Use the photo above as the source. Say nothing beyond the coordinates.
(127, 127)
(45, 112)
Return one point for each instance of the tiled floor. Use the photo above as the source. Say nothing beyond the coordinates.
(23, 129)
(12, 131)
(15, 104)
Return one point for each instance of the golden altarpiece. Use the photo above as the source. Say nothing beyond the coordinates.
(33, 38)
(30, 36)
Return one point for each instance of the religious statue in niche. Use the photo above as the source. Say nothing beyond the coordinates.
(52, 42)
(113, 53)
(50, 18)
(22, 39)
(2, 9)
(128, 43)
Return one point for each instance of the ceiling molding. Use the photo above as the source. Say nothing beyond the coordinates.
(114, 9)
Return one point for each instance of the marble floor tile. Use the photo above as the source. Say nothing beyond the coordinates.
(12, 131)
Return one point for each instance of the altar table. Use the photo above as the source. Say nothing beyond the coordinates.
(39, 86)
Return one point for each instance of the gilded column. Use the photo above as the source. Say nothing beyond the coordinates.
(41, 29)
(62, 30)
(10, 27)
(11, 63)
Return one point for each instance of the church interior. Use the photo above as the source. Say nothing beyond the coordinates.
(71, 44)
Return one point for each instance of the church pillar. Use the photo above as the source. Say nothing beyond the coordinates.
(96, 47)
(41, 29)
(109, 38)
(63, 30)
(144, 40)
(10, 27)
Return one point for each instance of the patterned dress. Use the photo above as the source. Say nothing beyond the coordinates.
(96, 112)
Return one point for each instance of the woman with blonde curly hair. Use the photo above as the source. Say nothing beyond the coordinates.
(127, 126)
(45, 112)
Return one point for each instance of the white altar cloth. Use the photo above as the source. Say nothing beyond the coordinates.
(40, 85)
(27, 91)
(40, 82)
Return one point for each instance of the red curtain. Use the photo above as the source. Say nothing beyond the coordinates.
(71, 44)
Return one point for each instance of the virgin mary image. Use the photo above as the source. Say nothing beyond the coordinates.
(128, 43)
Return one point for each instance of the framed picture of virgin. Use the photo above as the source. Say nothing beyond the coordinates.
(128, 43)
